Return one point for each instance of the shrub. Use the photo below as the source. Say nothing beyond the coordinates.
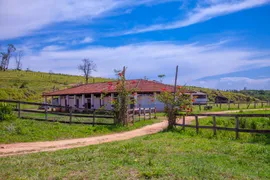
(6, 112)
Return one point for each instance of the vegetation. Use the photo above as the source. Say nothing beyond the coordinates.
(260, 94)
(231, 95)
(86, 68)
(259, 123)
(29, 85)
(175, 102)
(167, 155)
(19, 130)
(6, 112)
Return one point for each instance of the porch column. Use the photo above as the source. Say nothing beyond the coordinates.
(92, 101)
(59, 100)
(135, 100)
(155, 99)
(74, 101)
(83, 99)
(112, 95)
(45, 99)
(67, 99)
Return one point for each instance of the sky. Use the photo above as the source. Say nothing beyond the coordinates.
(221, 44)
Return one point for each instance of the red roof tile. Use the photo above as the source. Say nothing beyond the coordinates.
(139, 85)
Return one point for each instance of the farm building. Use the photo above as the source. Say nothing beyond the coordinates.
(90, 95)
(222, 99)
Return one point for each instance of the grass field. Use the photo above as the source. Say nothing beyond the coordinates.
(167, 155)
(30, 130)
(29, 86)
(224, 107)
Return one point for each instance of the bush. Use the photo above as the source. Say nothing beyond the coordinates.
(6, 112)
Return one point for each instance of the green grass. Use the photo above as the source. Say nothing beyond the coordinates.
(166, 155)
(29, 86)
(259, 123)
(224, 107)
(19, 130)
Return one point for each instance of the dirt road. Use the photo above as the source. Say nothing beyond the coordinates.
(32, 147)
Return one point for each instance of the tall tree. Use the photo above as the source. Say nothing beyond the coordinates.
(6, 56)
(18, 58)
(161, 76)
(87, 67)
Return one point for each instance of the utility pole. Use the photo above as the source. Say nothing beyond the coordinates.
(175, 82)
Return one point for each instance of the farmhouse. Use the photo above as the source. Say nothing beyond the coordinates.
(90, 95)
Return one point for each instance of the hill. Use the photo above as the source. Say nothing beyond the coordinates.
(29, 85)
(235, 96)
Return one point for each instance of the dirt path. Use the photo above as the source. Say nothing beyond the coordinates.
(33, 147)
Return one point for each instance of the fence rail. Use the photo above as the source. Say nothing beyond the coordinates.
(237, 129)
(236, 105)
(142, 113)
(90, 117)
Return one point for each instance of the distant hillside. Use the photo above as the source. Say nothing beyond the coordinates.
(29, 85)
(235, 96)
(260, 94)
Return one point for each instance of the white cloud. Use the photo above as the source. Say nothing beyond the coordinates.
(87, 40)
(237, 83)
(19, 18)
(200, 14)
(150, 59)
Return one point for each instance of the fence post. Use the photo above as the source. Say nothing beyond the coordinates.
(155, 111)
(133, 114)
(197, 124)
(229, 105)
(144, 113)
(19, 109)
(139, 113)
(214, 126)
(46, 112)
(184, 122)
(94, 118)
(236, 127)
(150, 109)
(70, 114)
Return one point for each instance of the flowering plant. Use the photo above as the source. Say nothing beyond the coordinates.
(179, 101)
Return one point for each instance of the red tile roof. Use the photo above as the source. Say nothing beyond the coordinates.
(139, 85)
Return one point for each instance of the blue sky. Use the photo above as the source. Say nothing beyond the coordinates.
(222, 44)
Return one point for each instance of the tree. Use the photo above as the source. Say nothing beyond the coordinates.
(179, 101)
(87, 68)
(18, 58)
(161, 76)
(6, 56)
(123, 99)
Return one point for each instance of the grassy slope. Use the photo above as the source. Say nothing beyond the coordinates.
(23, 85)
(212, 93)
(167, 155)
(29, 130)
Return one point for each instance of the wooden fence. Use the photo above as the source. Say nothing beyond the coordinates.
(90, 117)
(237, 129)
(237, 105)
(142, 113)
